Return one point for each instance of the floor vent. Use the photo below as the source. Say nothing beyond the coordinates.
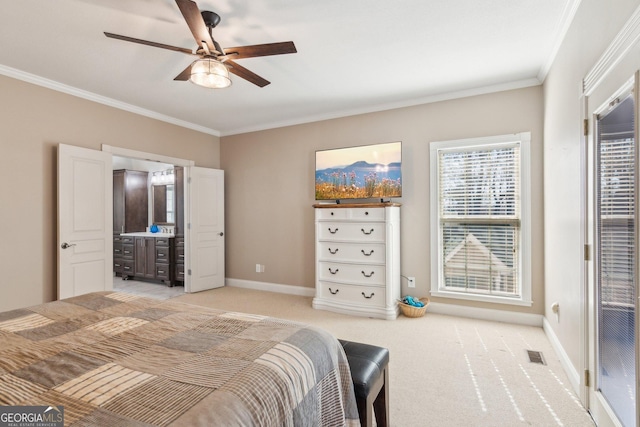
(536, 357)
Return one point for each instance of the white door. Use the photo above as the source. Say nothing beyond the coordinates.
(85, 214)
(205, 229)
(613, 232)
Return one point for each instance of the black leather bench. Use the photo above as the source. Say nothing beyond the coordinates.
(370, 375)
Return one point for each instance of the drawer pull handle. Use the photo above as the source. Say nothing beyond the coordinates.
(334, 231)
(160, 255)
(180, 256)
(371, 231)
(117, 265)
(333, 272)
(117, 251)
(334, 292)
(333, 252)
(127, 267)
(366, 213)
(366, 254)
(160, 271)
(365, 274)
(368, 297)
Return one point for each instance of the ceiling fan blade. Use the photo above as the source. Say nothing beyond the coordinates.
(249, 76)
(260, 50)
(184, 75)
(192, 15)
(148, 43)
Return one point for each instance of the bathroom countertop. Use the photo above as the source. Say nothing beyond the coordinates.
(148, 234)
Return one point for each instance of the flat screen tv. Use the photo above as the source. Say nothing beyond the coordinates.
(363, 172)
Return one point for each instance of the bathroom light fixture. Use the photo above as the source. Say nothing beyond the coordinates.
(162, 177)
(210, 73)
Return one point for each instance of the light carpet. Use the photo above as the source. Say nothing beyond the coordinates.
(444, 370)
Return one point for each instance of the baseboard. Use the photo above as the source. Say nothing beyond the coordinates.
(271, 287)
(486, 314)
(569, 369)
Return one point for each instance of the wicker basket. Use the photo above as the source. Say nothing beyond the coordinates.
(411, 311)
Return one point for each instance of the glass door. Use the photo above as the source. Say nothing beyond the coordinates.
(616, 257)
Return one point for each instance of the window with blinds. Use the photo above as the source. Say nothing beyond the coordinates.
(479, 217)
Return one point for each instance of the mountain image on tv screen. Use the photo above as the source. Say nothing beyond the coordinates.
(370, 171)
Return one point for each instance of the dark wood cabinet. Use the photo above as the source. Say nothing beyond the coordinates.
(123, 255)
(179, 270)
(179, 263)
(130, 214)
(130, 201)
(145, 257)
(165, 259)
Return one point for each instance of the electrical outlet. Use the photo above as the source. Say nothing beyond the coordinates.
(261, 268)
(258, 268)
(412, 282)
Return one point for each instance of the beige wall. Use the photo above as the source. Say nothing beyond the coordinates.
(34, 121)
(594, 27)
(269, 178)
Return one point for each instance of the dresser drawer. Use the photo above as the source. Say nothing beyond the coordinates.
(117, 249)
(180, 272)
(367, 214)
(180, 254)
(127, 239)
(352, 232)
(329, 214)
(352, 273)
(163, 241)
(128, 267)
(361, 295)
(162, 254)
(162, 271)
(127, 251)
(352, 252)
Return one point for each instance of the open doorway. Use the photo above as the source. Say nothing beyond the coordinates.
(148, 227)
(86, 227)
(199, 229)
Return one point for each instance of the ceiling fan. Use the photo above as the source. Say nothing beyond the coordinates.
(214, 63)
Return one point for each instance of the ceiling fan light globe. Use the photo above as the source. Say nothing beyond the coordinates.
(210, 73)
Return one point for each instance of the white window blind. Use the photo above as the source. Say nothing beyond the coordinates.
(615, 220)
(479, 218)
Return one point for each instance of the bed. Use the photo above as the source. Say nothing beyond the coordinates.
(115, 359)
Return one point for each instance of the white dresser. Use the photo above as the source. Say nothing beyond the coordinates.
(358, 259)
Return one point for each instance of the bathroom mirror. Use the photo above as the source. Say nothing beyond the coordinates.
(163, 204)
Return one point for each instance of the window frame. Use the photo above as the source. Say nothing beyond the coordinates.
(524, 258)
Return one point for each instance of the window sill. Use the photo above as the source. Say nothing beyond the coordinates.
(482, 298)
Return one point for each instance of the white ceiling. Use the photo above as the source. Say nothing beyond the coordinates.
(353, 56)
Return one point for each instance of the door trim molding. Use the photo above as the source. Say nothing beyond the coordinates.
(141, 155)
(626, 38)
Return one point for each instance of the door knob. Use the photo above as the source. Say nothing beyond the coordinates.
(66, 245)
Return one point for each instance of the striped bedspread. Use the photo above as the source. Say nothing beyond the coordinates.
(113, 359)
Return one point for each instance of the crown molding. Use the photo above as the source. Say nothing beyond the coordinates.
(569, 12)
(519, 84)
(69, 90)
(626, 38)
